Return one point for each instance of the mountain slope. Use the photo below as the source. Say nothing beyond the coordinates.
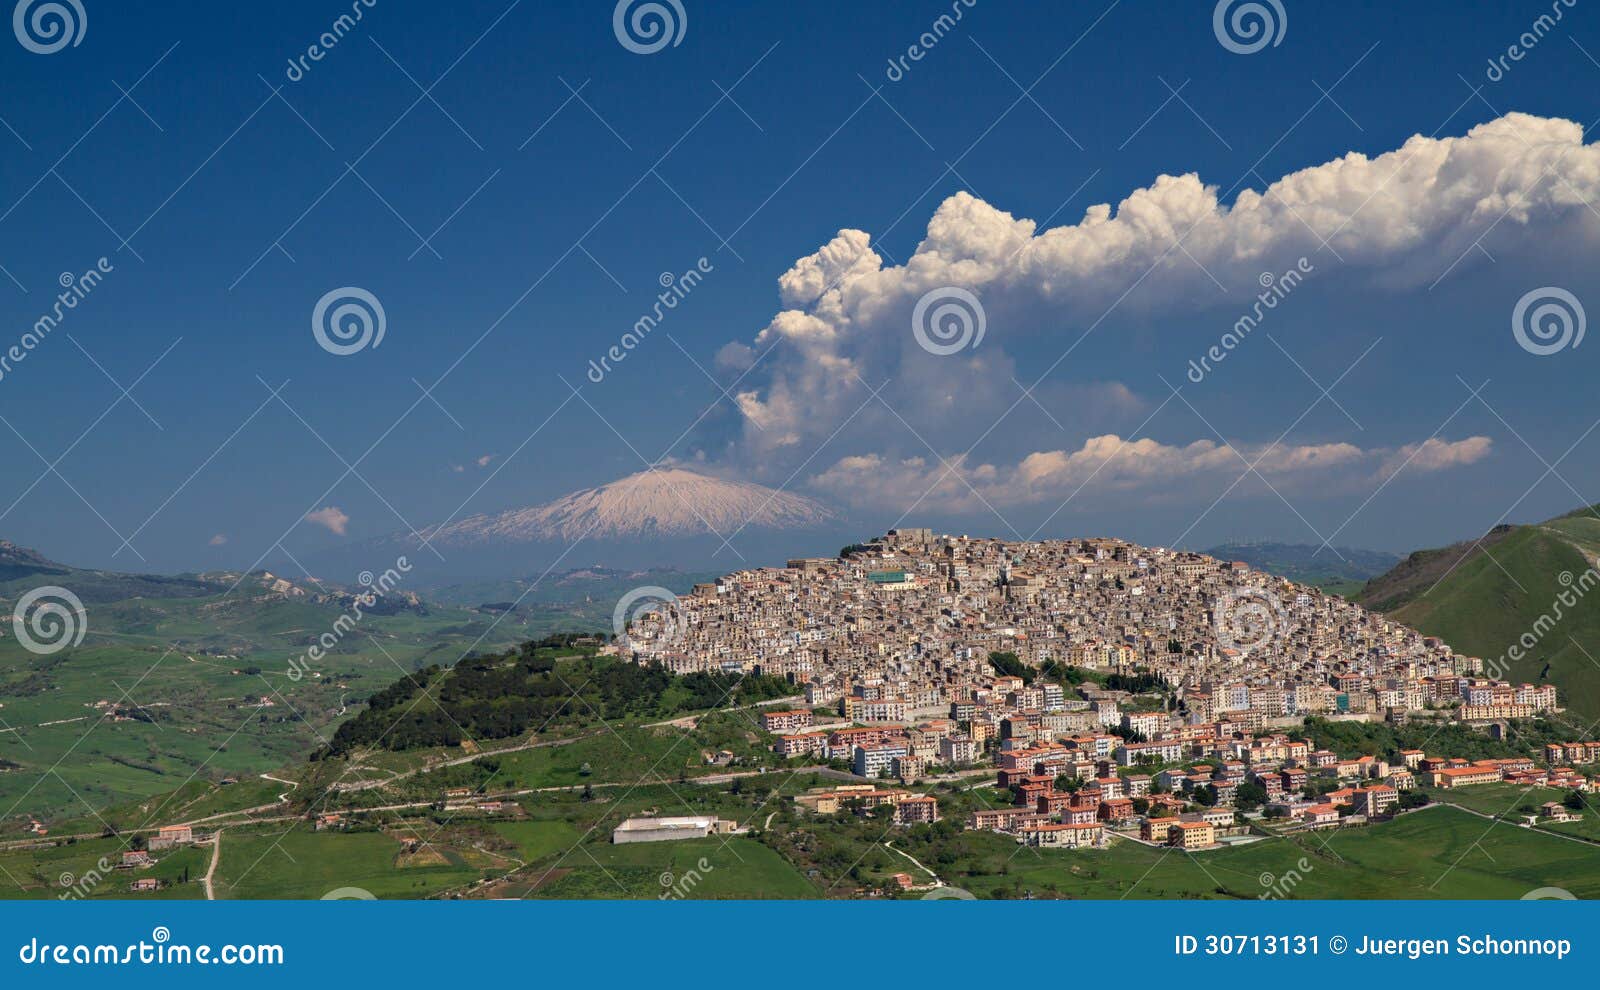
(1485, 597)
(1419, 572)
(669, 502)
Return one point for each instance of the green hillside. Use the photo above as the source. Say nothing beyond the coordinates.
(190, 678)
(1484, 597)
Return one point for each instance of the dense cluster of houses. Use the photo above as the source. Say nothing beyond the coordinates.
(1097, 763)
(902, 628)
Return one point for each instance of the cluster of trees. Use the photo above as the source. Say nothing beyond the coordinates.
(499, 696)
(1008, 663)
(1353, 739)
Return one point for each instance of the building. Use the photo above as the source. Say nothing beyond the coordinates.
(1116, 810)
(1375, 801)
(1192, 835)
(1320, 815)
(172, 835)
(802, 744)
(671, 829)
(878, 760)
(1056, 836)
(794, 720)
(958, 750)
(1003, 819)
(1448, 777)
(916, 810)
(1162, 751)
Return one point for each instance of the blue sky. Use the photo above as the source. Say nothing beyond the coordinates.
(550, 217)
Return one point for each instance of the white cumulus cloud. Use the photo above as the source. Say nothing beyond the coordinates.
(1112, 464)
(1397, 219)
(330, 517)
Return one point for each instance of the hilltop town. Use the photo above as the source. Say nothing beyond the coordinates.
(1109, 686)
(905, 625)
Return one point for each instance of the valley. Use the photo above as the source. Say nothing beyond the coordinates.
(198, 678)
(467, 741)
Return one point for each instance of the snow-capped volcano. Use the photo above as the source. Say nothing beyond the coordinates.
(666, 502)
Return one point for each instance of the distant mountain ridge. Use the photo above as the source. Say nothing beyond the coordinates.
(596, 586)
(1309, 563)
(22, 569)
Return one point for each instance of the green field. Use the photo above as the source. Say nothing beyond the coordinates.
(189, 676)
(698, 869)
(78, 872)
(1434, 853)
(558, 846)
(1515, 804)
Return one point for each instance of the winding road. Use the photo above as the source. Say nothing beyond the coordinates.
(211, 871)
(915, 862)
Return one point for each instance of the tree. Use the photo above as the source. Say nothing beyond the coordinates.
(1011, 665)
(1250, 795)
(1412, 799)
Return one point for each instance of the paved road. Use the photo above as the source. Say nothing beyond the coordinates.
(366, 785)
